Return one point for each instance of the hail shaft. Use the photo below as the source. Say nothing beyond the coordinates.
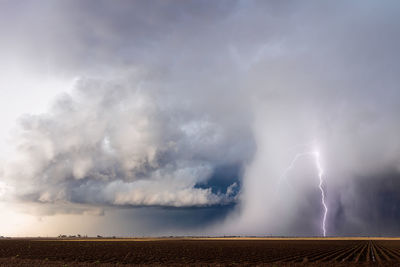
(320, 170)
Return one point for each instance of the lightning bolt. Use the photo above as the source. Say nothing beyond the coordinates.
(320, 170)
(321, 181)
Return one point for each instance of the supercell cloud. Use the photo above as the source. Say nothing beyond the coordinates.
(180, 118)
(123, 143)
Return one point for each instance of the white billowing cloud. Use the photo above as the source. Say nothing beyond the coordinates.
(110, 142)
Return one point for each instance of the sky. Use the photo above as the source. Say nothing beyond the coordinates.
(158, 118)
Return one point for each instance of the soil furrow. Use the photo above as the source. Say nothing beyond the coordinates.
(362, 251)
(344, 255)
(390, 254)
(371, 252)
(326, 253)
(332, 256)
(376, 252)
(394, 252)
(295, 257)
(382, 252)
(354, 252)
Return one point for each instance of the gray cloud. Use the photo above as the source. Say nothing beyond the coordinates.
(169, 95)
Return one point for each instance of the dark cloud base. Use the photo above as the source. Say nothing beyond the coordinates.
(222, 177)
(177, 220)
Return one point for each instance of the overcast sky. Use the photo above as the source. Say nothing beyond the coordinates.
(189, 118)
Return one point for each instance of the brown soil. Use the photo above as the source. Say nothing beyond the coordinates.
(200, 252)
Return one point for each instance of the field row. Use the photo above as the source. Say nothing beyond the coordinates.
(360, 252)
(205, 251)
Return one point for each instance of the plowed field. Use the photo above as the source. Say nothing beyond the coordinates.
(283, 252)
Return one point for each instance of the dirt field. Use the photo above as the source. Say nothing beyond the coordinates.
(257, 251)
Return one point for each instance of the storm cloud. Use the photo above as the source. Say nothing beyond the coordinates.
(200, 107)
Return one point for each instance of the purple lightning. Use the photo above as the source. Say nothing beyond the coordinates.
(320, 170)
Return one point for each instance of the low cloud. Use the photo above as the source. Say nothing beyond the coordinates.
(111, 143)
